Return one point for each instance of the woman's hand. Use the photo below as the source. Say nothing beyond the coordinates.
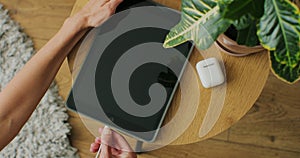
(94, 13)
(113, 145)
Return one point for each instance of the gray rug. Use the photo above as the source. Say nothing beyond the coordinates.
(45, 134)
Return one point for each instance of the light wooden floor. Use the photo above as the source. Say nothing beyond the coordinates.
(270, 129)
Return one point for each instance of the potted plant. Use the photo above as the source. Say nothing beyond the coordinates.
(256, 24)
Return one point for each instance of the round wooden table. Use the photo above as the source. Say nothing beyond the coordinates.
(246, 77)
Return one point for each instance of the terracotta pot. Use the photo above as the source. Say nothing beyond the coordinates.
(229, 46)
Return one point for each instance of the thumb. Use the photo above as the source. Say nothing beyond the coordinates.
(106, 139)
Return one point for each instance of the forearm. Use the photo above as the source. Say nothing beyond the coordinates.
(20, 97)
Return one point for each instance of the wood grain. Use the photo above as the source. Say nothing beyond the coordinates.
(274, 121)
(219, 149)
(269, 130)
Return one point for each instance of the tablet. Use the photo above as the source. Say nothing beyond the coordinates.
(128, 79)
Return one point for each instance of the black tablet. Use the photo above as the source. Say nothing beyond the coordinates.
(128, 79)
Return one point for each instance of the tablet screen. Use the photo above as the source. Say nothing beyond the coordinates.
(128, 79)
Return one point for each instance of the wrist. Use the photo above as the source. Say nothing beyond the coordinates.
(75, 23)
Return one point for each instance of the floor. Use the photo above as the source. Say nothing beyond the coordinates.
(270, 129)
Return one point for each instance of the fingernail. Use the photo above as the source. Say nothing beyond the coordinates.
(106, 130)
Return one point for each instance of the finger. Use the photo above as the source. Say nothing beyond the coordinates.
(121, 143)
(105, 151)
(114, 151)
(113, 4)
(106, 139)
(106, 136)
(100, 130)
(98, 140)
(94, 147)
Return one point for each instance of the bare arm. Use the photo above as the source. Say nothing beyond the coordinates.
(22, 94)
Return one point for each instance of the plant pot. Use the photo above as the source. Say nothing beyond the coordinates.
(229, 46)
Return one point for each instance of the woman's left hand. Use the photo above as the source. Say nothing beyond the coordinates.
(95, 12)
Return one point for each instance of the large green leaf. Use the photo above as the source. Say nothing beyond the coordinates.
(201, 22)
(247, 36)
(243, 22)
(246, 30)
(237, 8)
(279, 32)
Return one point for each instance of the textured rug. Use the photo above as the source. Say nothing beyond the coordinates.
(45, 134)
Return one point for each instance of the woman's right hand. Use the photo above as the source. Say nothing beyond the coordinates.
(113, 145)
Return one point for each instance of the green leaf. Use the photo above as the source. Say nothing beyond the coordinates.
(284, 72)
(243, 22)
(279, 32)
(201, 22)
(246, 30)
(247, 36)
(238, 8)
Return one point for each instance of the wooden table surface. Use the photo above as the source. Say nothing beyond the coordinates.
(246, 77)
